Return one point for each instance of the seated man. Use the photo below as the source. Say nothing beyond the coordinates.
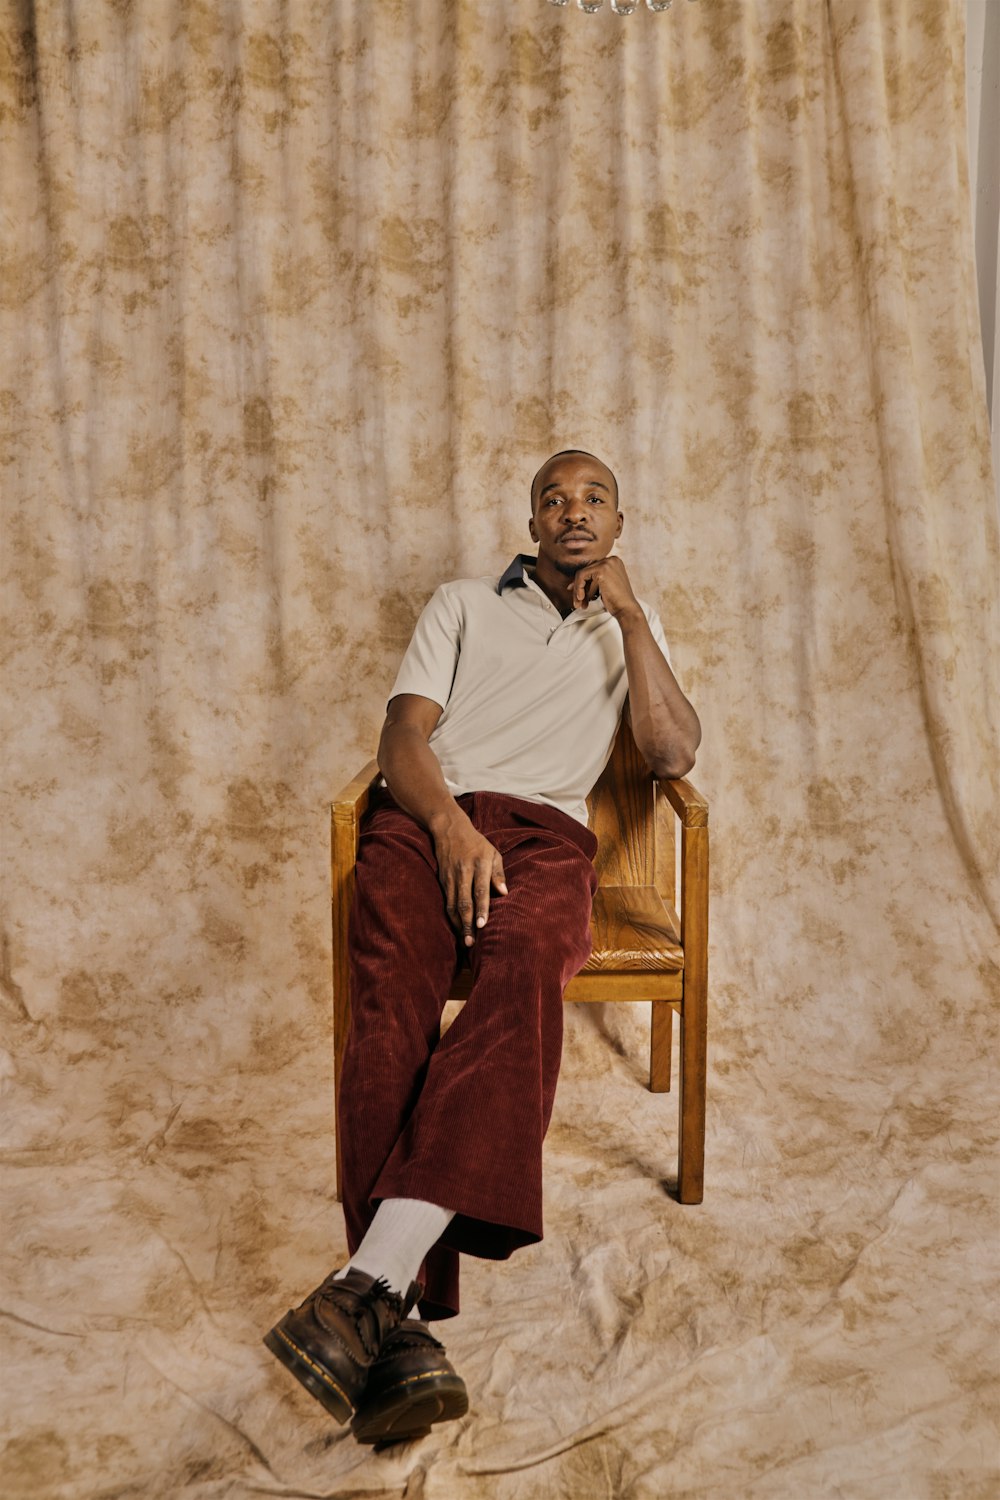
(503, 715)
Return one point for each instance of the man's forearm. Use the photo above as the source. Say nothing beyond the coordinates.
(664, 725)
(414, 777)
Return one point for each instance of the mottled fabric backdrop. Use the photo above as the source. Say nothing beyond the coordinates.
(296, 295)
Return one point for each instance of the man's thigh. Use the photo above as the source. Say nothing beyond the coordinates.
(398, 918)
(400, 941)
(545, 917)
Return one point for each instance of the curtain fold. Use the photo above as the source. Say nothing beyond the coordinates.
(932, 424)
(295, 298)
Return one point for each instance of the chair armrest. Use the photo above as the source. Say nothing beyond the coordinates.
(352, 800)
(686, 800)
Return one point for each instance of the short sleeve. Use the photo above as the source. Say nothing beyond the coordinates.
(428, 665)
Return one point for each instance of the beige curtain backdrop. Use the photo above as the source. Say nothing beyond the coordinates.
(296, 295)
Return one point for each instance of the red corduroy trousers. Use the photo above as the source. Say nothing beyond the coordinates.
(459, 1120)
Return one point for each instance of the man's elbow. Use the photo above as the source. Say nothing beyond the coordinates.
(676, 759)
(672, 767)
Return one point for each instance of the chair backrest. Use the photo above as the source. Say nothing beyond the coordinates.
(633, 822)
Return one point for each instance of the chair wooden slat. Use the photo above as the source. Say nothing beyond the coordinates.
(633, 929)
(665, 825)
(621, 808)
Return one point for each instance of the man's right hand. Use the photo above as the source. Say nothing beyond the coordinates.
(468, 866)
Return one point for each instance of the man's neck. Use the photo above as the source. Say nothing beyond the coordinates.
(552, 584)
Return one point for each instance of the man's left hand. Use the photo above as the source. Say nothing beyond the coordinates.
(608, 579)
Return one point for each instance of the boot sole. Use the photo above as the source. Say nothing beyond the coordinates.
(409, 1409)
(317, 1381)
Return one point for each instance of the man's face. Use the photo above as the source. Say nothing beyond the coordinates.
(574, 518)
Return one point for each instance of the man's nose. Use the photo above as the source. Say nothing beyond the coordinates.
(574, 512)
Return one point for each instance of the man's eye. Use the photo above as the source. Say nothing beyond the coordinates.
(598, 498)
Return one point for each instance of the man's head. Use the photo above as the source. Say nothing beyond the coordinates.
(543, 479)
(574, 510)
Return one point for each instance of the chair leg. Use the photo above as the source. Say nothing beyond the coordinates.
(660, 1038)
(694, 1013)
(343, 852)
(691, 1152)
(341, 1023)
(339, 1041)
(339, 1195)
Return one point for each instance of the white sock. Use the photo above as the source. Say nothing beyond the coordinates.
(397, 1239)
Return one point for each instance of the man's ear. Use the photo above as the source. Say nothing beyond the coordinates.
(621, 522)
(531, 528)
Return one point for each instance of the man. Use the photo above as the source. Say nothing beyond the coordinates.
(503, 715)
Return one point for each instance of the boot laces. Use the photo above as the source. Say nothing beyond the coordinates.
(358, 1303)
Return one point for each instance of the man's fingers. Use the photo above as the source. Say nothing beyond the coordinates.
(498, 877)
(451, 907)
(466, 885)
(463, 900)
(482, 892)
(458, 904)
(584, 587)
(465, 922)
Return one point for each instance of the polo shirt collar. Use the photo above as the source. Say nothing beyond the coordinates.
(513, 577)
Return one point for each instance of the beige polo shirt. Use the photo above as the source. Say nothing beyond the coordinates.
(531, 701)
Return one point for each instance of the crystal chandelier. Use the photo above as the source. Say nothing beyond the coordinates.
(620, 7)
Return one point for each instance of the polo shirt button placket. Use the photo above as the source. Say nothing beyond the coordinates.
(549, 609)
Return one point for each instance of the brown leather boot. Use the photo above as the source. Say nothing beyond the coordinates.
(331, 1340)
(410, 1386)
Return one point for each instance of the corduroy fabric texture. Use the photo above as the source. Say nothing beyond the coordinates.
(459, 1120)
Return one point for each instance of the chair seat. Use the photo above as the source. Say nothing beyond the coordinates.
(633, 928)
(634, 932)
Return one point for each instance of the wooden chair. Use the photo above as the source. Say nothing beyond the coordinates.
(642, 949)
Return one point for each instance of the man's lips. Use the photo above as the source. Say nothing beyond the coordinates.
(576, 536)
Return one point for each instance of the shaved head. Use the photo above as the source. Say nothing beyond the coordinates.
(536, 483)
